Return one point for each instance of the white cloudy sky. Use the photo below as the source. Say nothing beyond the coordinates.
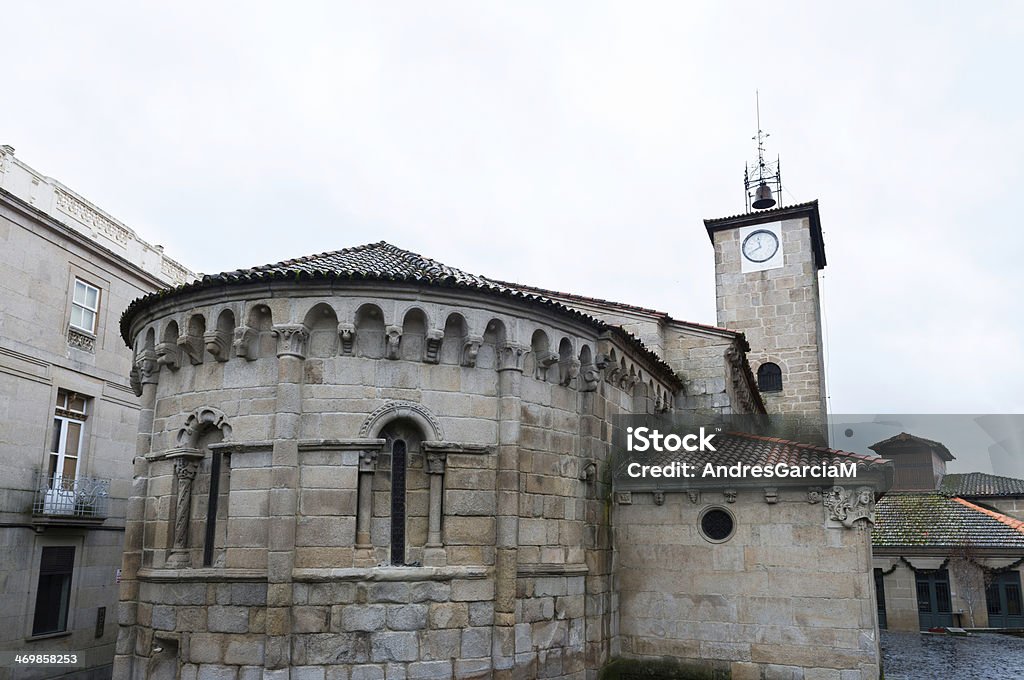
(574, 146)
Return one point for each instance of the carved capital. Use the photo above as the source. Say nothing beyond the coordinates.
(432, 346)
(393, 337)
(367, 461)
(149, 369)
(435, 462)
(192, 346)
(246, 343)
(511, 357)
(218, 344)
(185, 468)
(847, 506)
(168, 354)
(347, 335)
(470, 350)
(292, 339)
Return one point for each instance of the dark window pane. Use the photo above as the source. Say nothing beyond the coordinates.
(398, 463)
(769, 377)
(942, 598)
(924, 602)
(1013, 599)
(992, 599)
(54, 592)
(717, 525)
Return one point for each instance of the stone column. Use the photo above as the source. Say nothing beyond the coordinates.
(364, 511)
(185, 468)
(434, 554)
(144, 376)
(510, 377)
(291, 353)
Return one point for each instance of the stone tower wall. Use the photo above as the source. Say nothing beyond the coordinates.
(779, 312)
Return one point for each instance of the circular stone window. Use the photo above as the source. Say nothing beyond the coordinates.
(717, 525)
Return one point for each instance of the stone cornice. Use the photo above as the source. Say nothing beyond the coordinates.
(365, 444)
(207, 574)
(404, 574)
(552, 570)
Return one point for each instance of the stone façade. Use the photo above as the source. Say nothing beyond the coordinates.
(260, 537)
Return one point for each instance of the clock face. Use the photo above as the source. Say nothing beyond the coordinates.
(760, 246)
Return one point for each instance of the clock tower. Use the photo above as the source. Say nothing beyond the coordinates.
(766, 282)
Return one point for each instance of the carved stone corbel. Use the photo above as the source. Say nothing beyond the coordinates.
(659, 498)
(393, 337)
(694, 496)
(849, 506)
(730, 495)
(135, 380)
(568, 371)
(245, 343)
(432, 345)
(591, 376)
(192, 346)
(589, 473)
(218, 344)
(347, 335)
(771, 495)
(168, 354)
(149, 369)
(814, 495)
(545, 360)
(470, 350)
(511, 357)
(292, 340)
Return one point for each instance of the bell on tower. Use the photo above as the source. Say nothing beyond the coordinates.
(763, 176)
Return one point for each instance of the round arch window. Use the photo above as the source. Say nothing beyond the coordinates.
(717, 525)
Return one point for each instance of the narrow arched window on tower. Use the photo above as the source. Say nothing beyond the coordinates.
(769, 377)
(398, 463)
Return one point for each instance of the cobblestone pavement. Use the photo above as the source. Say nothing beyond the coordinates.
(986, 656)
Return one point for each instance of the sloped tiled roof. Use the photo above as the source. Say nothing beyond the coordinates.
(905, 439)
(756, 450)
(979, 485)
(380, 262)
(934, 520)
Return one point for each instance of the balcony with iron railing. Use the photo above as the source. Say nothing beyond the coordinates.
(61, 501)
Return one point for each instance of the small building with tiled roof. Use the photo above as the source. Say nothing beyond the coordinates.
(943, 554)
(367, 461)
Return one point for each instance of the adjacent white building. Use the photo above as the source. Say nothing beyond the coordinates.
(67, 415)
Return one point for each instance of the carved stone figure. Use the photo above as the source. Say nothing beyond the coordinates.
(347, 335)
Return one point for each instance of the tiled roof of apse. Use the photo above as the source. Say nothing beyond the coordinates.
(380, 261)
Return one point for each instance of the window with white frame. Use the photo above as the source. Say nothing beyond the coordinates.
(53, 593)
(85, 305)
(68, 437)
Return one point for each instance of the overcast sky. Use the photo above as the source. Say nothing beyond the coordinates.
(569, 146)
